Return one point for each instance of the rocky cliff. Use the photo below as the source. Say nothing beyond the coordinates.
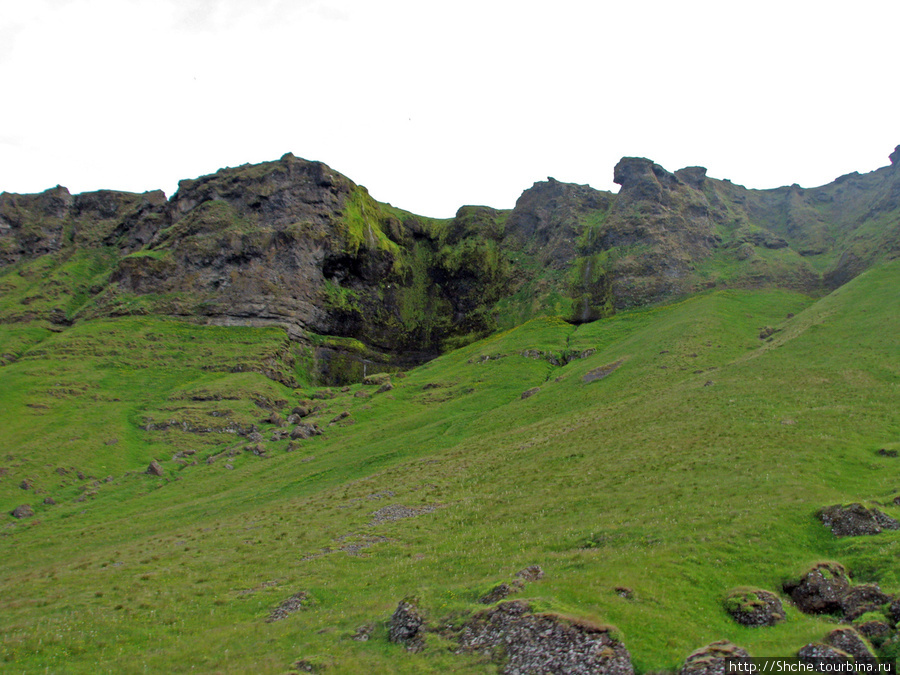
(294, 243)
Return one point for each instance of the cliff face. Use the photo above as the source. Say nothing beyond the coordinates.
(297, 244)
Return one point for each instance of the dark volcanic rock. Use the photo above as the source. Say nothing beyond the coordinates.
(894, 611)
(822, 655)
(544, 643)
(548, 217)
(850, 642)
(876, 631)
(713, 659)
(406, 626)
(856, 520)
(753, 607)
(821, 590)
(861, 599)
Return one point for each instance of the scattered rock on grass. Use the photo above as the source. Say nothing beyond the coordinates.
(274, 418)
(23, 511)
(531, 573)
(288, 607)
(364, 632)
(820, 590)
(155, 469)
(856, 520)
(713, 659)
(754, 607)
(386, 387)
(257, 449)
(624, 592)
(406, 625)
(305, 430)
(49, 501)
(342, 416)
(306, 666)
(544, 643)
(602, 371)
(397, 511)
(377, 379)
(531, 392)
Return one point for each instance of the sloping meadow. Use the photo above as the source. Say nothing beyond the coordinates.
(649, 463)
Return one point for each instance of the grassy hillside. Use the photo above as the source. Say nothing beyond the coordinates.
(696, 464)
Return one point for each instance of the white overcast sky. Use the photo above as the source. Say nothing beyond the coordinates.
(433, 105)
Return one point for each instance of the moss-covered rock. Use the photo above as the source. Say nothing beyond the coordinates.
(754, 607)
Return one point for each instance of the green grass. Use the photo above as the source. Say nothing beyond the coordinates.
(694, 468)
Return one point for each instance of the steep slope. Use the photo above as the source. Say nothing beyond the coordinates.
(661, 458)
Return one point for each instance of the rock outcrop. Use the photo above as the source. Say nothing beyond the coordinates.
(544, 643)
(754, 607)
(407, 626)
(856, 520)
(820, 590)
(295, 244)
(713, 659)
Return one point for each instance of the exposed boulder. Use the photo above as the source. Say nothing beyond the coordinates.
(274, 418)
(544, 643)
(363, 633)
(861, 599)
(713, 659)
(340, 416)
(875, 631)
(23, 511)
(856, 520)
(406, 626)
(753, 607)
(49, 501)
(820, 590)
(530, 392)
(155, 469)
(850, 642)
(531, 573)
(302, 431)
(819, 655)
